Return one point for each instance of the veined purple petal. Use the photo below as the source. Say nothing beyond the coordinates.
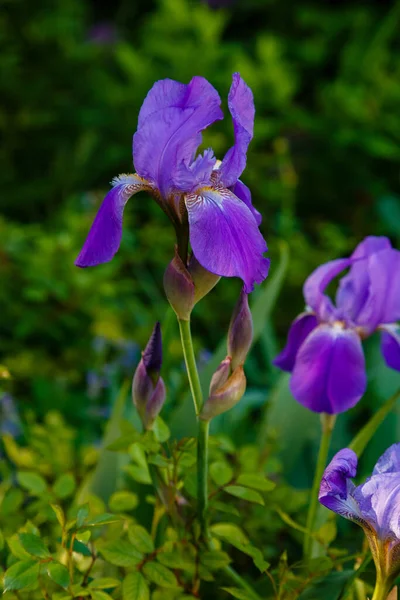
(329, 373)
(390, 346)
(242, 191)
(225, 237)
(170, 121)
(336, 490)
(389, 462)
(241, 107)
(298, 332)
(316, 284)
(105, 234)
(382, 492)
(197, 174)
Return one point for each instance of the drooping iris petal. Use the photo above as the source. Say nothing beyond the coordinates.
(383, 493)
(224, 236)
(241, 107)
(242, 191)
(196, 174)
(298, 332)
(316, 283)
(336, 489)
(104, 237)
(370, 245)
(170, 121)
(329, 373)
(389, 462)
(390, 346)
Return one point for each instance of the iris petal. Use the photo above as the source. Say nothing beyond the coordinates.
(224, 236)
(390, 346)
(298, 332)
(336, 490)
(389, 462)
(383, 493)
(329, 373)
(105, 235)
(242, 191)
(316, 284)
(170, 121)
(241, 107)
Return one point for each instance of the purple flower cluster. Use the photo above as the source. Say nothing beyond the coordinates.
(375, 504)
(324, 351)
(204, 198)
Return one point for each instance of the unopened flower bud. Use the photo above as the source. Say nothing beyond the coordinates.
(148, 389)
(221, 375)
(204, 280)
(179, 288)
(240, 335)
(226, 396)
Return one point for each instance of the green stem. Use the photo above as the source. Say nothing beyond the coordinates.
(190, 361)
(202, 473)
(327, 423)
(382, 588)
(236, 578)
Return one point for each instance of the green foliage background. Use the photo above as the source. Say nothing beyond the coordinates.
(323, 169)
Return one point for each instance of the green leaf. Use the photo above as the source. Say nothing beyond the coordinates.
(221, 473)
(82, 514)
(141, 539)
(104, 583)
(328, 588)
(229, 532)
(161, 430)
(104, 519)
(121, 553)
(238, 593)
(245, 494)
(215, 559)
(16, 548)
(81, 548)
(159, 574)
(58, 573)
(139, 474)
(176, 560)
(135, 587)
(100, 595)
(64, 485)
(21, 575)
(224, 507)
(59, 514)
(1, 540)
(34, 483)
(123, 501)
(12, 500)
(34, 545)
(257, 482)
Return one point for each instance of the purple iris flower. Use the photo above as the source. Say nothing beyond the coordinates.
(203, 197)
(323, 351)
(375, 504)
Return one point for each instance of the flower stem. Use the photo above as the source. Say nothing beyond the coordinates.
(327, 424)
(190, 361)
(382, 588)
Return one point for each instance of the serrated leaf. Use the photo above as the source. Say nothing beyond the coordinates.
(237, 593)
(59, 514)
(64, 485)
(58, 573)
(245, 494)
(20, 575)
(221, 473)
(82, 514)
(257, 482)
(121, 553)
(34, 545)
(135, 587)
(215, 559)
(123, 501)
(33, 482)
(159, 574)
(104, 583)
(141, 539)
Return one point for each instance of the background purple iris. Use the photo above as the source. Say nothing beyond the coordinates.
(323, 350)
(204, 199)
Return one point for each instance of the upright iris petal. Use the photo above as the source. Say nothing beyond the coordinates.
(327, 361)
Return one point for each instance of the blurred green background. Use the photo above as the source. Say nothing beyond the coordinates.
(323, 169)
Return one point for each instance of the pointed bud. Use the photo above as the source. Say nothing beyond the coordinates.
(221, 375)
(148, 389)
(179, 288)
(204, 280)
(226, 396)
(240, 333)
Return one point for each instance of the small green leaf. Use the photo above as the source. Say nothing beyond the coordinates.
(21, 575)
(103, 583)
(135, 587)
(215, 559)
(1, 540)
(33, 482)
(58, 573)
(257, 482)
(16, 548)
(59, 514)
(237, 593)
(121, 553)
(12, 500)
(123, 501)
(244, 494)
(139, 474)
(100, 595)
(34, 545)
(104, 519)
(82, 514)
(141, 539)
(176, 560)
(229, 532)
(161, 430)
(160, 575)
(64, 485)
(221, 473)
(81, 548)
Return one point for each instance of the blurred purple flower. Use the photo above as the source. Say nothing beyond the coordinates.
(9, 418)
(102, 34)
(374, 505)
(323, 350)
(203, 197)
